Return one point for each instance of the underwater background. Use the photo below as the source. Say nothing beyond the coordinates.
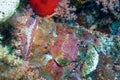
(59, 40)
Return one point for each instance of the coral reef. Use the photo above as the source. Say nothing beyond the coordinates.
(113, 6)
(60, 40)
(65, 11)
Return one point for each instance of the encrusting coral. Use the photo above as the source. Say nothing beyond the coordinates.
(91, 61)
(7, 9)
